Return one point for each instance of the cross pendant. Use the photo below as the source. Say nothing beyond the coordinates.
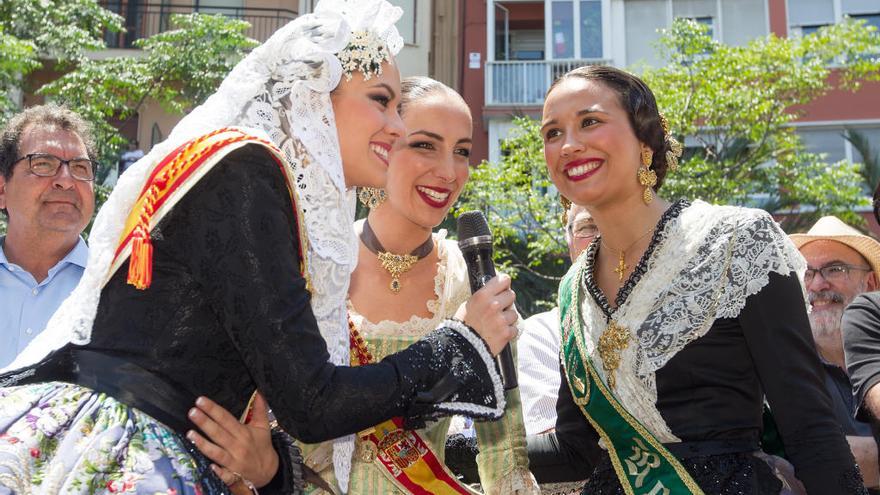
(621, 267)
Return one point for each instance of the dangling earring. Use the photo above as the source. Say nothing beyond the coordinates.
(566, 204)
(371, 197)
(646, 176)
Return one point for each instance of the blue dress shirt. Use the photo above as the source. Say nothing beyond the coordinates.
(26, 306)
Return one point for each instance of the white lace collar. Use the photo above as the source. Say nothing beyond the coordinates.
(450, 290)
(704, 262)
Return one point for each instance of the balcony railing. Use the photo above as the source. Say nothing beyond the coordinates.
(144, 19)
(524, 83)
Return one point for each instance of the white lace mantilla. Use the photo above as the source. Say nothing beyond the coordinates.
(707, 261)
(280, 90)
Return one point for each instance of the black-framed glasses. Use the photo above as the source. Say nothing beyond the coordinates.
(47, 165)
(833, 273)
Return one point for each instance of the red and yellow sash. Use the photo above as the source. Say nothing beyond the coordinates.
(170, 180)
(401, 454)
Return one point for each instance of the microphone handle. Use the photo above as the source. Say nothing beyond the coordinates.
(481, 270)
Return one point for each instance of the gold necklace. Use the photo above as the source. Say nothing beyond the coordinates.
(622, 267)
(395, 264)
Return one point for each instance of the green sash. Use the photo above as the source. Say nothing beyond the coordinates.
(642, 464)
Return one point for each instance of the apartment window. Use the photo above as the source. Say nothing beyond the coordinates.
(827, 141)
(407, 23)
(870, 19)
(807, 30)
(873, 137)
(809, 14)
(576, 29)
(707, 21)
(591, 28)
(563, 29)
(701, 11)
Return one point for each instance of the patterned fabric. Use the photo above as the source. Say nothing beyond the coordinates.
(503, 462)
(63, 438)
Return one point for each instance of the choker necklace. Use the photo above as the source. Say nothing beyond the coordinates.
(395, 264)
(622, 267)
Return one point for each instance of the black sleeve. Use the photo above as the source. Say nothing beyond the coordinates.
(777, 332)
(861, 343)
(244, 254)
(571, 451)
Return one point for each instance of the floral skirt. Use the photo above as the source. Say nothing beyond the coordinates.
(62, 438)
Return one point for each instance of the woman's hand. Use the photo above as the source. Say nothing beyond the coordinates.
(240, 450)
(490, 312)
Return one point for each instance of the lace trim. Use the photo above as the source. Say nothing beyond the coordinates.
(641, 268)
(477, 410)
(707, 262)
(450, 290)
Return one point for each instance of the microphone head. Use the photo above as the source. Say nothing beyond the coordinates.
(472, 224)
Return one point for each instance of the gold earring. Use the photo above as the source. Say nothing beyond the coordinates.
(371, 197)
(647, 157)
(646, 176)
(648, 179)
(566, 204)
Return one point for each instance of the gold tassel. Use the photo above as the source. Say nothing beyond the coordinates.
(140, 263)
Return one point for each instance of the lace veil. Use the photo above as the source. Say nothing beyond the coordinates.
(280, 90)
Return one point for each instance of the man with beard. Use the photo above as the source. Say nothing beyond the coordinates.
(47, 173)
(841, 264)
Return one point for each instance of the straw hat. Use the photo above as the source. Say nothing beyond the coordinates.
(831, 228)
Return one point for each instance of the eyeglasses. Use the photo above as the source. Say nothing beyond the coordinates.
(833, 273)
(47, 165)
(584, 230)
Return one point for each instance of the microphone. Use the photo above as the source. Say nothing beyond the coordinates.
(475, 242)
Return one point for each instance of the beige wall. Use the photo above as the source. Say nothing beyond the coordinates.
(414, 59)
(273, 4)
(153, 113)
(446, 43)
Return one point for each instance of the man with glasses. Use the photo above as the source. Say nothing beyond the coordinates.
(47, 172)
(841, 264)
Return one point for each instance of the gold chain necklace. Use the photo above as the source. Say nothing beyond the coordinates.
(395, 264)
(622, 267)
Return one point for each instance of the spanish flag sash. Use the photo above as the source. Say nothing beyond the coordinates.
(402, 455)
(170, 180)
(642, 464)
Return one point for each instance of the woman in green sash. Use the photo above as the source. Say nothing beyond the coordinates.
(678, 321)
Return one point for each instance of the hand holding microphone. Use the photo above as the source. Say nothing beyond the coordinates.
(490, 310)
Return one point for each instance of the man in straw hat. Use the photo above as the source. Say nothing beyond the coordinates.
(841, 264)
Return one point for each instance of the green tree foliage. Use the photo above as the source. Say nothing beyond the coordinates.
(732, 107)
(46, 33)
(61, 30)
(179, 69)
(523, 210)
(19, 57)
